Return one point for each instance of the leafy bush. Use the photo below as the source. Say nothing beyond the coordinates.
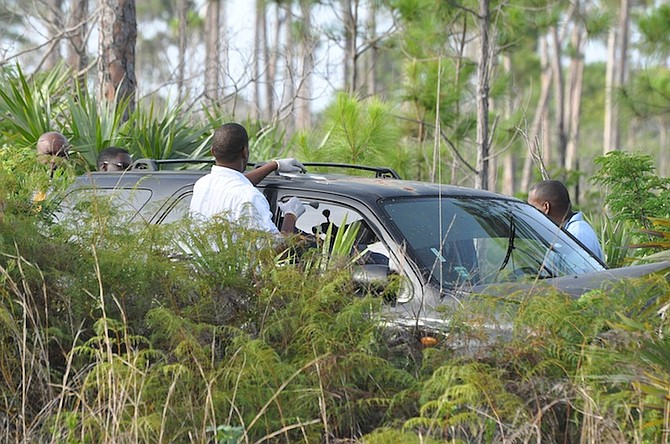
(634, 192)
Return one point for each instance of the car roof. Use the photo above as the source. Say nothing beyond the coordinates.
(166, 182)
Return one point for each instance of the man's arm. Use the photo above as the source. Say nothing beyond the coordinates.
(288, 165)
(256, 175)
(288, 224)
(291, 210)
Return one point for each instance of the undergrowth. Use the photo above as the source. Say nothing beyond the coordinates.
(118, 331)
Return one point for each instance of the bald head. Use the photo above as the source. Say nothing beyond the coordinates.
(552, 198)
(52, 144)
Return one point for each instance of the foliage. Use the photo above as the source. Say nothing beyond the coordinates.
(357, 132)
(634, 192)
(660, 239)
(124, 332)
(649, 94)
(653, 28)
(616, 239)
(165, 134)
(30, 106)
(93, 126)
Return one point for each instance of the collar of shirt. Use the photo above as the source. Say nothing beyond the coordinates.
(225, 171)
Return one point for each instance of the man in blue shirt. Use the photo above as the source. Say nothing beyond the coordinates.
(552, 198)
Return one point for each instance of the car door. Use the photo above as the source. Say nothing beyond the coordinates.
(374, 249)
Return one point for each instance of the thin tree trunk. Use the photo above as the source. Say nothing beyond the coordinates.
(533, 134)
(664, 149)
(182, 17)
(509, 170)
(290, 69)
(271, 64)
(371, 59)
(559, 100)
(213, 50)
(55, 26)
(77, 54)
(460, 42)
(483, 79)
(118, 35)
(617, 55)
(610, 128)
(259, 31)
(303, 111)
(621, 71)
(350, 17)
(573, 107)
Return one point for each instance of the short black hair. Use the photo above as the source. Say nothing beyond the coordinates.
(554, 192)
(228, 142)
(110, 154)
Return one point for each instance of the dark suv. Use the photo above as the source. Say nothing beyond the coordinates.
(446, 242)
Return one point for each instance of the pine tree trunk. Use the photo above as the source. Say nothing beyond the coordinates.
(664, 149)
(259, 54)
(182, 17)
(371, 59)
(610, 134)
(290, 70)
(212, 50)
(483, 79)
(271, 64)
(118, 35)
(573, 106)
(532, 137)
(55, 26)
(621, 71)
(349, 14)
(509, 170)
(559, 100)
(77, 54)
(303, 111)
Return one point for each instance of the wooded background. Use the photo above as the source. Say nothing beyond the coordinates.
(483, 93)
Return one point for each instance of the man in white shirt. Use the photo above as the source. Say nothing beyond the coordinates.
(552, 198)
(228, 192)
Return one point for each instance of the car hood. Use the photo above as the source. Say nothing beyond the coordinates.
(577, 285)
(430, 313)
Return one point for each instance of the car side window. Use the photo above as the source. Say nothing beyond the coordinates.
(177, 211)
(121, 203)
(319, 215)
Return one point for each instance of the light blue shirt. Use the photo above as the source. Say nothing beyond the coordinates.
(581, 229)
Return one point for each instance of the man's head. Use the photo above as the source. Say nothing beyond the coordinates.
(114, 159)
(51, 145)
(230, 146)
(552, 198)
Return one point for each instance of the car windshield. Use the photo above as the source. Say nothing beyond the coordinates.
(471, 241)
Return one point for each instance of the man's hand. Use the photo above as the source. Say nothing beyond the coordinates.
(289, 165)
(292, 206)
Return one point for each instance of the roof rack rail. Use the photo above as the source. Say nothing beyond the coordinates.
(380, 172)
(154, 165)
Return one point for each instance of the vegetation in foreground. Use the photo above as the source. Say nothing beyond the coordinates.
(110, 334)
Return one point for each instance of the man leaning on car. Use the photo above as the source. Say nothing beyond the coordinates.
(229, 192)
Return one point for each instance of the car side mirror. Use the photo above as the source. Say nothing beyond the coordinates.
(371, 275)
(380, 279)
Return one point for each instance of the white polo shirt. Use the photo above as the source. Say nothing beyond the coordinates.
(229, 193)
